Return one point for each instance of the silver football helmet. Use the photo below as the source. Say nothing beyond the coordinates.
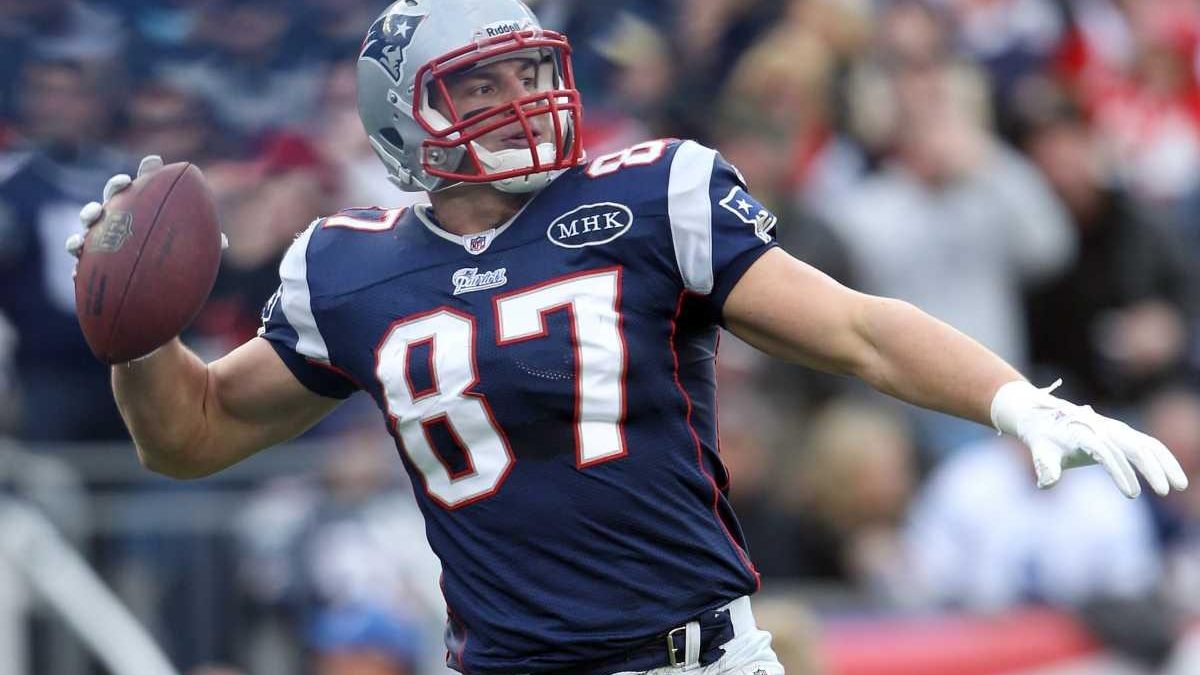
(405, 59)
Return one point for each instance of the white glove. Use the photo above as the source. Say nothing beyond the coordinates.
(91, 214)
(1062, 435)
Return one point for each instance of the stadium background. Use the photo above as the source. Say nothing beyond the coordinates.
(1028, 170)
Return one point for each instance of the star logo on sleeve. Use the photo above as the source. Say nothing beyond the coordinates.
(741, 204)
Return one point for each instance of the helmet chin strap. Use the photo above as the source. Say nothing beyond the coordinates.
(514, 159)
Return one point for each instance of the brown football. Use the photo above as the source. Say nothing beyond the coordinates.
(148, 266)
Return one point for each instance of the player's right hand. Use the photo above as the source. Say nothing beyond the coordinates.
(93, 212)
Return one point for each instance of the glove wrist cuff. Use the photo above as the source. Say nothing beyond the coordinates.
(1011, 403)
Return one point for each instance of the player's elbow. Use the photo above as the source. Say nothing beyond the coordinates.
(179, 464)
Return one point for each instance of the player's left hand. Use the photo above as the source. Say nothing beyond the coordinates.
(1062, 435)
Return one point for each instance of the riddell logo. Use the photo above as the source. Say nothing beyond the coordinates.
(502, 28)
(590, 225)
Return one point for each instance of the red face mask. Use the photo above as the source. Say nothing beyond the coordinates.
(552, 141)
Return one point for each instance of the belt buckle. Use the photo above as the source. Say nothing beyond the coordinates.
(675, 663)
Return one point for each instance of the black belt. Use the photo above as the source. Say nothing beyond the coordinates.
(664, 649)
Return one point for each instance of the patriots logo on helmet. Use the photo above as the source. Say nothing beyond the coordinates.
(387, 40)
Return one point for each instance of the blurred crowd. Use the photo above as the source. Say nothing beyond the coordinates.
(1026, 170)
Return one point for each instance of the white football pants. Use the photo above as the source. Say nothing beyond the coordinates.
(748, 653)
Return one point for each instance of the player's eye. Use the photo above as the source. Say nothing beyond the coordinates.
(529, 82)
(483, 90)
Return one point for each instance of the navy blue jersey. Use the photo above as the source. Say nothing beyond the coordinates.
(550, 385)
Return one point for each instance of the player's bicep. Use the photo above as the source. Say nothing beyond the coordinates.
(791, 310)
(254, 401)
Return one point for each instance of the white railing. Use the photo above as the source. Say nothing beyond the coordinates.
(65, 497)
(35, 561)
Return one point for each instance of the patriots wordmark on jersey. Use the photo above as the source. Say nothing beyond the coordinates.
(550, 385)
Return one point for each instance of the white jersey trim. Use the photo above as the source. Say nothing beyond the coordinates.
(297, 305)
(689, 207)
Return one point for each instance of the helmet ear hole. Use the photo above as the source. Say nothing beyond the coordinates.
(392, 136)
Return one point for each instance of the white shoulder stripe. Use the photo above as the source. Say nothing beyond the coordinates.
(297, 306)
(689, 207)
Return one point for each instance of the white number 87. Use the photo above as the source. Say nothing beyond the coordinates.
(591, 300)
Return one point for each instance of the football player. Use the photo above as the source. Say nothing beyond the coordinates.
(540, 341)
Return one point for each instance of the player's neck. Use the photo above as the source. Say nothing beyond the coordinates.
(470, 209)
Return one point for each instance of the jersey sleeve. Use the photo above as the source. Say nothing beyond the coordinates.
(289, 325)
(717, 227)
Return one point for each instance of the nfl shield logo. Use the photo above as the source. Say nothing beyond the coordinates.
(111, 236)
(477, 244)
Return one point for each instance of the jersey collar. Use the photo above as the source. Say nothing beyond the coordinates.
(477, 243)
(474, 244)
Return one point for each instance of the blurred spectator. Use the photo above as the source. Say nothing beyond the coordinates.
(778, 100)
(982, 536)
(843, 499)
(333, 29)
(1173, 416)
(775, 123)
(58, 30)
(640, 87)
(159, 30)
(591, 24)
(844, 25)
(65, 117)
(955, 222)
(346, 560)
(163, 119)
(1012, 39)
(711, 34)
(254, 80)
(911, 39)
(1119, 322)
(1148, 111)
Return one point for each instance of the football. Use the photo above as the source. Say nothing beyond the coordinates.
(148, 266)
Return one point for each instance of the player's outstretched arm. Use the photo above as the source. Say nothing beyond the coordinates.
(190, 420)
(790, 310)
